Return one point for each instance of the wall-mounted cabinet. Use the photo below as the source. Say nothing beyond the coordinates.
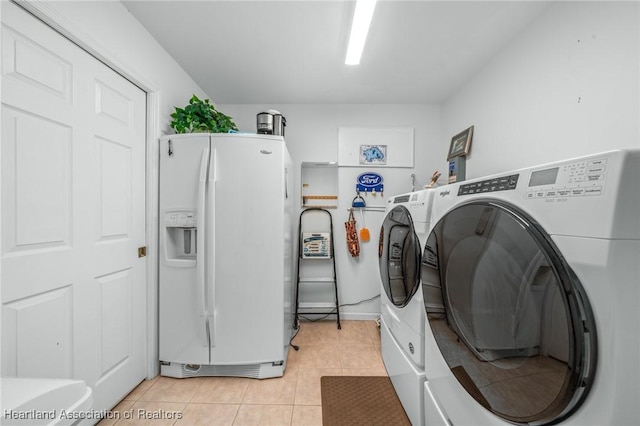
(319, 184)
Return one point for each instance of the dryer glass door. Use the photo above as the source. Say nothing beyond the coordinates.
(509, 315)
(399, 256)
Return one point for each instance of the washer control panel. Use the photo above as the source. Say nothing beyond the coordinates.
(401, 199)
(503, 183)
(575, 179)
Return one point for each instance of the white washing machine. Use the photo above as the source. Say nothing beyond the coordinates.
(538, 280)
(402, 237)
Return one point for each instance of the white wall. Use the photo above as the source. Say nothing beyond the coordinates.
(110, 32)
(568, 85)
(312, 135)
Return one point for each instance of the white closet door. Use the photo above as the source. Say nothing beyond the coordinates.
(73, 175)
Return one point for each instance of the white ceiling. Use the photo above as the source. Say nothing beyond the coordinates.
(279, 52)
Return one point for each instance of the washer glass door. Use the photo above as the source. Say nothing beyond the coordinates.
(399, 256)
(508, 314)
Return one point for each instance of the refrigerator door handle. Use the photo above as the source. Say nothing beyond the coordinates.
(201, 223)
(286, 180)
(211, 247)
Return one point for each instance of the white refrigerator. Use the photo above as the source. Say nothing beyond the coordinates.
(226, 255)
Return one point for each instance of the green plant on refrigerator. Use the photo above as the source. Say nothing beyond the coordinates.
(200, 116)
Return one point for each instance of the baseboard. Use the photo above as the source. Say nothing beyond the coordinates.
(349, 316)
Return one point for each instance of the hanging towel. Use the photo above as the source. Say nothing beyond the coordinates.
(352, 235)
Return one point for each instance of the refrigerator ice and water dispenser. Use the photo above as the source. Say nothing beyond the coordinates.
(181, 235)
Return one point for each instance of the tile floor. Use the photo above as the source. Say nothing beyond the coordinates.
(293, 399)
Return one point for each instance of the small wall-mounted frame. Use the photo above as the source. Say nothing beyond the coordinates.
(460, 144)
(373, 155)
(375, 146)
(457, 169)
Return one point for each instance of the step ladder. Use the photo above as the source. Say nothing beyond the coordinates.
(317, 247)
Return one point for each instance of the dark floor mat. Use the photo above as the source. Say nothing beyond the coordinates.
(360, 400)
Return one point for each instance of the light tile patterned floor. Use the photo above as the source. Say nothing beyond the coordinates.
(293, 399)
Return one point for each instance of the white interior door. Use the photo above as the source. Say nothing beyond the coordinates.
(73, 143)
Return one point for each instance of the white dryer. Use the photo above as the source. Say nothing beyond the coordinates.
(538, 280)
(402, 237)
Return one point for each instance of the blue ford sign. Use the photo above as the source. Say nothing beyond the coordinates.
(370, 182)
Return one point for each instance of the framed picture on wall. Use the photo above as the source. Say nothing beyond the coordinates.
(373, 154)
(460, 144)
(375, 146)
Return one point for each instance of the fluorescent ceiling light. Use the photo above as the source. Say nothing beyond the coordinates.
(359, 29)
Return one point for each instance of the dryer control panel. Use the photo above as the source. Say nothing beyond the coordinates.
(503, 183)
(574, 179)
